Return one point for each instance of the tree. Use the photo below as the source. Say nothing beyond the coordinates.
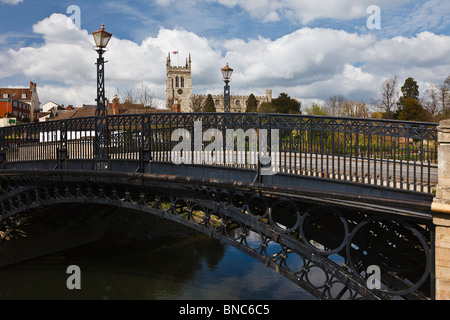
(387, 102)
(413, 111)
(287, 105)
(141, 95)
(252, 104)
(317, 110)
(129, 98)
(409, 90)
(145, 97)
(196, 103)
(444, 96)
(266, 107)
(209, 105)
(354, 109)
(431, 100)
(334, 104)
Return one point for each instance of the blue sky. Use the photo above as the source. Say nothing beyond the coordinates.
(309, 49)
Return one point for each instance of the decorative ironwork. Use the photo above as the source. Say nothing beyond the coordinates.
(323, 243)
(101, 105)
(325, 246)
(392, 154)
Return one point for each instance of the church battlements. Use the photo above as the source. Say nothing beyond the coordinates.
(186, 68)
(233, 97)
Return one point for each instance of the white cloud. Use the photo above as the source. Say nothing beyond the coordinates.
(421, 16)
(68, 59)
(307, 11)
(13, 2)
(307, 64)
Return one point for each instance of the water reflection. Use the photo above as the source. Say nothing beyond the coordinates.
(194, 267)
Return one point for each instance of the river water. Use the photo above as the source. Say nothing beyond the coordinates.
(194, 267)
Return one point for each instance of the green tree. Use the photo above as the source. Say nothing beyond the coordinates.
(266, 107)
(317, 110)
(252, 104)
(287, 105)
(413, 111)
(209, 105)
(409, 90)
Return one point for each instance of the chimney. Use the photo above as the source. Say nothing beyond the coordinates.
(115, 105)
(176, 106)
(31, 85)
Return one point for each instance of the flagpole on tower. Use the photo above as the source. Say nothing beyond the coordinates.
(178, 57)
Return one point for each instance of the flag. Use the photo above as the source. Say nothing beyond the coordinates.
(175, 52)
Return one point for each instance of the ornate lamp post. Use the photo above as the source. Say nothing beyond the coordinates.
(226, 73)
(101, 38)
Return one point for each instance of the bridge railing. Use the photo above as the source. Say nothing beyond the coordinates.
(394, 154)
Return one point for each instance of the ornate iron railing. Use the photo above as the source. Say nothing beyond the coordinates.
(395, 154)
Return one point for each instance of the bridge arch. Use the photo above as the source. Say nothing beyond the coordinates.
(320, 245)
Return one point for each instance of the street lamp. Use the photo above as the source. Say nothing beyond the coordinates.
(101, 38)
(226, 73)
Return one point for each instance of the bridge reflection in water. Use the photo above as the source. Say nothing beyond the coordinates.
(362, 199)
(192, 267)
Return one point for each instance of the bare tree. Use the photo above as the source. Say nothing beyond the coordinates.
(196, 103)
(334, 104)
(354, 109)
(129, 97)
(141, 95)
(145, 97)
(387, 101)
(431, 100)
(444, 95)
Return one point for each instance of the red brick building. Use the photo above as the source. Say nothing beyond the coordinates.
(15, 108)
(18, 96)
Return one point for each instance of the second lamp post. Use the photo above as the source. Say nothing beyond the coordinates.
(226, 73)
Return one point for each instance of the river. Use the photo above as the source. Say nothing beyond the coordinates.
(193, 267)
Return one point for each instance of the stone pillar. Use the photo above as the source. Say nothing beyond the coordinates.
(441, 214)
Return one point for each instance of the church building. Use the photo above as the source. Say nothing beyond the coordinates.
(179, 92)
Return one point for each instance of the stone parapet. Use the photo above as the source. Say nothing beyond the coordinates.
(441, 215)
(441, 202)
(442, 256)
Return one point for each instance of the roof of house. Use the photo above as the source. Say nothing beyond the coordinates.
(80, 113)
(16, 93)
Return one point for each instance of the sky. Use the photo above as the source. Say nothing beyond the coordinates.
(309, 49)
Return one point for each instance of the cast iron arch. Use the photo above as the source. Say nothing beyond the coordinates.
(299, 238)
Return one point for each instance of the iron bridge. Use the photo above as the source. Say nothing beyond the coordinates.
(348, 197)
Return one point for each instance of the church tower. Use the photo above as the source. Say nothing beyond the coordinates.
(179, 85)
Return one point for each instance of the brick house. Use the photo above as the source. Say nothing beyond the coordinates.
(23, 95)
(15, 108)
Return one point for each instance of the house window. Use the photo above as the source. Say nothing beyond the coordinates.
(24, 96)
(5, 95)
